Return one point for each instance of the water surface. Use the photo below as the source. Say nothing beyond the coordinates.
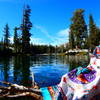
(47, 70)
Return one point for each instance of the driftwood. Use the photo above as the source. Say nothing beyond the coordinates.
(15, 90)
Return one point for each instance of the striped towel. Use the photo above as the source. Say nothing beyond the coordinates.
(51, 93)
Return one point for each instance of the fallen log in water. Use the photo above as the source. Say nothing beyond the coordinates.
(15, 90)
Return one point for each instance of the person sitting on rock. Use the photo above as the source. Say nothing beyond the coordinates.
(96, 51)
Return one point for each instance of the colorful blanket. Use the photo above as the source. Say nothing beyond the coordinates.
(79, 84)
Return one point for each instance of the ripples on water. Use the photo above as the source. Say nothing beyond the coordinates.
(47, 70)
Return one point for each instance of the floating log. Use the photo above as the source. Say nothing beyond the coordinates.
(16, 91)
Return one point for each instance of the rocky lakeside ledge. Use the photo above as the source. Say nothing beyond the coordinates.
(77, 51)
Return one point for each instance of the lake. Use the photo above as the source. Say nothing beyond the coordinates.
(47, 69)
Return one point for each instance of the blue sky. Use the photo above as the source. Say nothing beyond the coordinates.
(50, 18)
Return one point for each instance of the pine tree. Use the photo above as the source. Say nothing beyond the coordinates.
(93, 32)
(78, 28)
(16, 40)
(6, 36)
(98, 35)
(26, 26)
(71, 40)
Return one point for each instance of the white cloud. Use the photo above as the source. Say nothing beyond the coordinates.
(37, 41)
(60, 37)
(46, 34)
(43, 30)
(11, 39)
(59, 40)
(64, 33)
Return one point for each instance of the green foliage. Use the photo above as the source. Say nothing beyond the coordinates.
(78, 30)
(6, 36)
(94, 33)
(26, 26)
(71, 39)
(17, 41)
(42, 49)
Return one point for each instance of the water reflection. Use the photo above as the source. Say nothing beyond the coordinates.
(6, 68)
(76, 61)
(21, 70)
(48, 70)
(17, 66)
(25, 70)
